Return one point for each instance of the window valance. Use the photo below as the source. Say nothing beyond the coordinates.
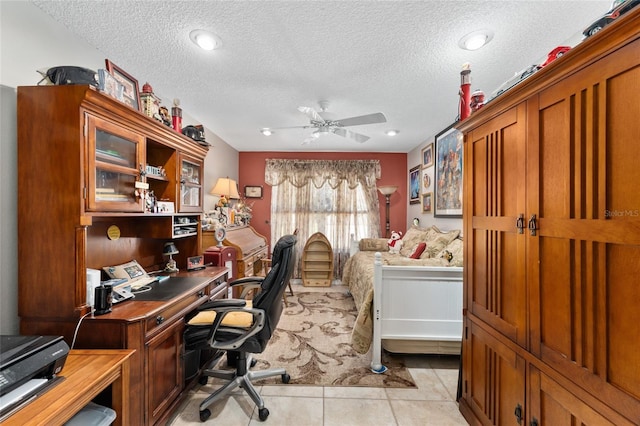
(333, 172)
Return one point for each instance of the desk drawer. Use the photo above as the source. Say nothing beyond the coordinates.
(176, 310)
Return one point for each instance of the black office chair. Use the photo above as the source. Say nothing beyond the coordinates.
(219, 325)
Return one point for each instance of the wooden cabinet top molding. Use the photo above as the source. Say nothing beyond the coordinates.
(612, 38)
(93, 101)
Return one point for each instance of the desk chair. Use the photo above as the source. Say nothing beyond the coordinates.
(240, 327)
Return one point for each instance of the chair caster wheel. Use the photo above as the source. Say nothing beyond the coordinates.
(286, 378)
(263, 413)
(254, 362)
(203, 380)
(206, 413)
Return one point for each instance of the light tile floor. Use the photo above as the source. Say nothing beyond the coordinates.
(432, 403)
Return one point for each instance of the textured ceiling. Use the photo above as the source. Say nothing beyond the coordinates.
(400, 58)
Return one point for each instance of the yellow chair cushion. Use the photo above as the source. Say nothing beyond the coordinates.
(232, 319)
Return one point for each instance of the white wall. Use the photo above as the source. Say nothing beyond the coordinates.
(414, 158)
(29, 41)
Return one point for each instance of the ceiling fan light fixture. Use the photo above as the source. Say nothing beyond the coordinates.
(392, 132)
(266, 132)
(205, 40)
(475, 40)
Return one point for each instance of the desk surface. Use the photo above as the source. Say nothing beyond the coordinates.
(86, 373)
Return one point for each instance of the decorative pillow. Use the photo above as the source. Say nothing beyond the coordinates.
(455, 250)
(437, 241)
(373, 244)
(418, 251)
(412, 238)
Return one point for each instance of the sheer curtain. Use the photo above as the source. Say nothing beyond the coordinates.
(338, 198)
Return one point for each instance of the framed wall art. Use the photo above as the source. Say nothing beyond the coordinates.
(131, 92)
(427, 201)
(448, 173)
(252, 191)
(414, 185)
(427, 156)
(425, 180)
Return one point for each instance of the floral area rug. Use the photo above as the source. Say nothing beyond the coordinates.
(312, 342)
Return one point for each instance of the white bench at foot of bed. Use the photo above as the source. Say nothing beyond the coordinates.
(415, 303)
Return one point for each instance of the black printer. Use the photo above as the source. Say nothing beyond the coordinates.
(25, 358)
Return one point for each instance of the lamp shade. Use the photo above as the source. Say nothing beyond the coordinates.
(387, 189)
(169, 249)
(226, 187)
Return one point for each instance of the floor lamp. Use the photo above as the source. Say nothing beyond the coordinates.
(387, 190)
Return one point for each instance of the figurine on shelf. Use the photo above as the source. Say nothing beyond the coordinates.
(176, 116)
(166, 117)
(477, 100)
(150, 102)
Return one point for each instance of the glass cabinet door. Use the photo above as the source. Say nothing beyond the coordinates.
(190, 185)
(115, 156)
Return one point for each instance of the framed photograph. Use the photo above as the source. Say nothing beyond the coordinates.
(165, 207)
(427, 202)
(425, 181)
(109, 85)
(195, 263)
(427, 156)
(131, 92)
(448, 173)
(414, 185)
(252, 191)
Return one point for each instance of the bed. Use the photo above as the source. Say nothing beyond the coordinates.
(407, 305)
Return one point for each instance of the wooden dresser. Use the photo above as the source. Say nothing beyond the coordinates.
(251, 248)
(552, 242)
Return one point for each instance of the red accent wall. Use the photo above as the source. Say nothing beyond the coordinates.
(393, 167)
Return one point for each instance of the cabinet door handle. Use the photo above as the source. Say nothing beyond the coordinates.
(533, 225)
(533, 422)
(200, 293)
(518, 413)
(520, 223)
(159, 319)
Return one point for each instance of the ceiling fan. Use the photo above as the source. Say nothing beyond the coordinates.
(324, 126)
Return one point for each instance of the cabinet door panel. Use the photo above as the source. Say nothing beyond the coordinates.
(164, 370)
(114, 158)
(552, 404)
(494, 385)
(585, 255)
(495, 153)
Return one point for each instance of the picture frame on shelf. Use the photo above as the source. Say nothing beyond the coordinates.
(109, 85)
(414, 185)
(253, 191)
(448, 173)
(427, 202)
(131, 90)
(427, 156)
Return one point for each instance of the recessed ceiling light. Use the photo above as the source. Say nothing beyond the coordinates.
(205, 39)
(392, 132)
(266, 132)
(475, 40)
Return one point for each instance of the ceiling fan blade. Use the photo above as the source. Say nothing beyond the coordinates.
(360, 138)
(378, 117)
(311, 113)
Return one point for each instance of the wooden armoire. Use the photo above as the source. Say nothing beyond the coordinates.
(552, 242)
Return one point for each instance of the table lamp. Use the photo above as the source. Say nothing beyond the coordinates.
(387, 190)
(226, 189)
(169, 250)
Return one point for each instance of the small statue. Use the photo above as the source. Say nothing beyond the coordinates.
(165, 116)
(477, 100)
